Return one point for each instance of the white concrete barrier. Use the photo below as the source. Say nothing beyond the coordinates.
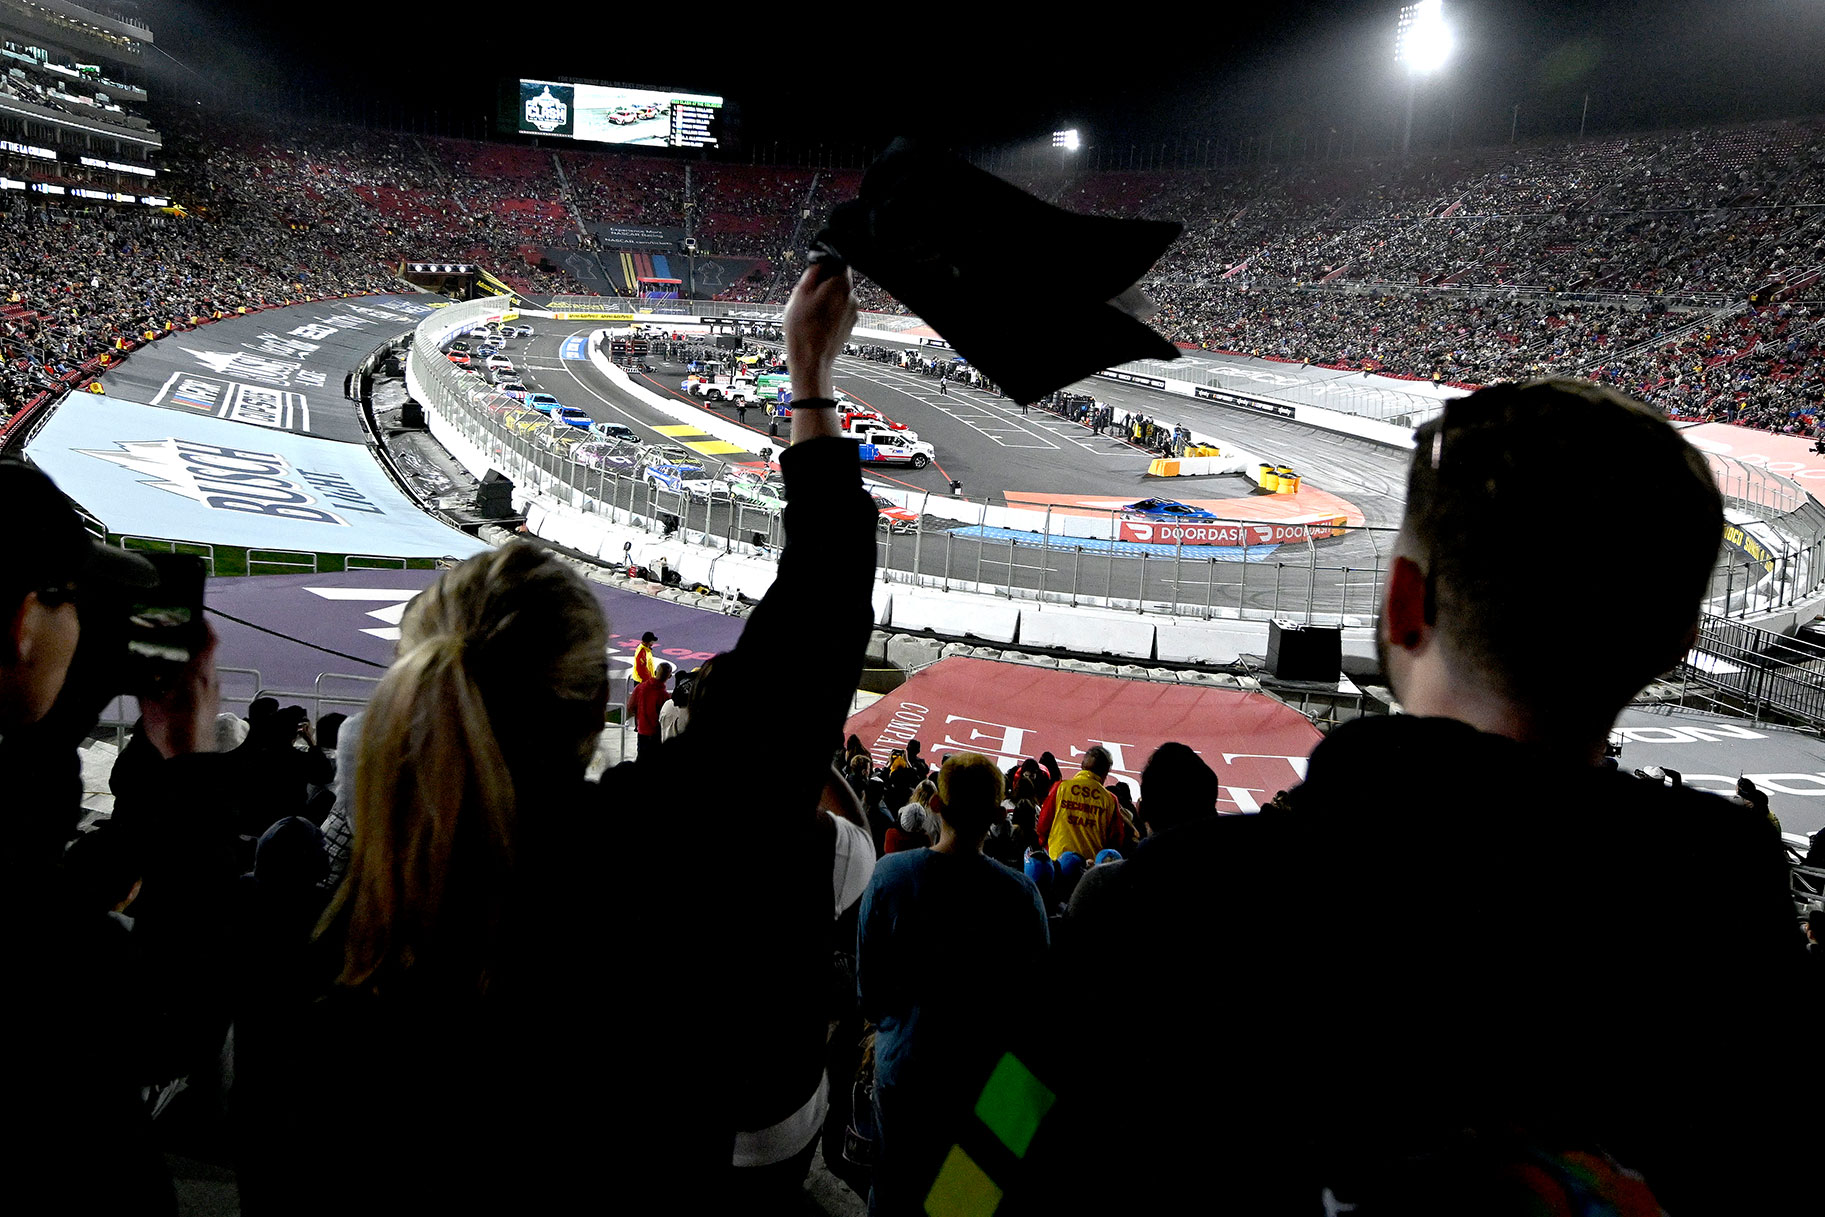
(1210, 642)
(1087, 631)
(956, 614)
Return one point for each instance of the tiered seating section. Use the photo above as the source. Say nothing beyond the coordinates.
(1682, 267)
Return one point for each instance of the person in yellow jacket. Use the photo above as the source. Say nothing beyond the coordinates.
(643, 657)
(1080, 815)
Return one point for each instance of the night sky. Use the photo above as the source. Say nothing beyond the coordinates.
(1304, 69)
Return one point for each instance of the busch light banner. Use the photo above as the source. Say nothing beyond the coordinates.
(154, 472)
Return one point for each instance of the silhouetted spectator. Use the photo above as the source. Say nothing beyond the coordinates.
(946, 938)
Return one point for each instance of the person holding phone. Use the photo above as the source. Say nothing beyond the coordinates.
(64, 602)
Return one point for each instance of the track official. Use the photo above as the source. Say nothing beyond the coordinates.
(643, 657)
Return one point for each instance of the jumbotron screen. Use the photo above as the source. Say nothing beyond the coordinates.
(613, 114)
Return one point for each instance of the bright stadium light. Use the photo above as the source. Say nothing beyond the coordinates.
(1070, 141)
(1423, 40)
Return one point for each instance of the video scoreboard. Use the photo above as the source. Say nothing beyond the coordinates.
(617, 114)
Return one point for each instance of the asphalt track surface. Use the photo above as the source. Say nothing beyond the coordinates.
(988, 444)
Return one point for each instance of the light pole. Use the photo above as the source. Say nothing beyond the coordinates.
(1422, 43)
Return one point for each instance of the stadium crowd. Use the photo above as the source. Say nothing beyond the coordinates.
(1683, 269)
(447, 987)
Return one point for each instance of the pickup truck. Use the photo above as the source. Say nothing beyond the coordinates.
(893, 448)
(723, 388)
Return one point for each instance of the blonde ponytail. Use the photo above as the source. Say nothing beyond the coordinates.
(502, 639)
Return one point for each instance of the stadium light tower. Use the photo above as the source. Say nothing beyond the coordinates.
(1422, 43)
(1069, 140)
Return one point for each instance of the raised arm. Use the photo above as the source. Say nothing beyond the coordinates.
(819, 603)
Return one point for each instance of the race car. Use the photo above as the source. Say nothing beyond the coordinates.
(498, 363)
(459, 358)
(767, 493)
(573, 415)
(605, 454)
(623, 115)
(649, 111)
(893, 517)
(528, 421)
(706, 489)
(544, 403)
(516, 331)
(1164, 509)
(668, 466)
(892, 448)
(513, 389)
(618, 432)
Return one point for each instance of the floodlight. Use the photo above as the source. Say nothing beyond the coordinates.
(1070, 141)
(1423, 41)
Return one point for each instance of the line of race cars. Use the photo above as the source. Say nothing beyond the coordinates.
(752, 382)
(616, 448)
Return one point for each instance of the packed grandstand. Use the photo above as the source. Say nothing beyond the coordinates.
(394, 951)
(1683, 267)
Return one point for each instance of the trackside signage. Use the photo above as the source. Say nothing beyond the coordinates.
(1129, 378)
(153, 472)
(1223, 533)
(1206, 393)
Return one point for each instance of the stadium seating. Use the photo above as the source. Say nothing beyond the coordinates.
(1684, 267)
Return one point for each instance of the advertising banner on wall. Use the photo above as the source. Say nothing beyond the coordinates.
(154, 472)
(637, 236)
(1224, 533)
(281, 369)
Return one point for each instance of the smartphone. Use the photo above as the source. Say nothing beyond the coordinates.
(165, 628)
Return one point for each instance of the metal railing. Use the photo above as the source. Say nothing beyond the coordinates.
(115, 713)
(1757, 672)
(1342, 391)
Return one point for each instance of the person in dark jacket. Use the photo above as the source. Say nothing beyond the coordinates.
(505, 1025)
(945, 939)
(96, 1013)
(1497, 1014)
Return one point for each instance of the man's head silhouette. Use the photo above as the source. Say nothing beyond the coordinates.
(1558, 540)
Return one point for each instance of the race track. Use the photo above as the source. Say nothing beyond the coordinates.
(996, 450)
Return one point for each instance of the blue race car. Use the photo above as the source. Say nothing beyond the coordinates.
(1164, 509)
(670, 467)
(573, 415)
(544, 403)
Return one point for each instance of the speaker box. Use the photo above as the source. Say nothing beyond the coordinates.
(494, 497)
(1305, 652)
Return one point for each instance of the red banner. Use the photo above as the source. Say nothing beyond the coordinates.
(1222, 532)
(1008, 711)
